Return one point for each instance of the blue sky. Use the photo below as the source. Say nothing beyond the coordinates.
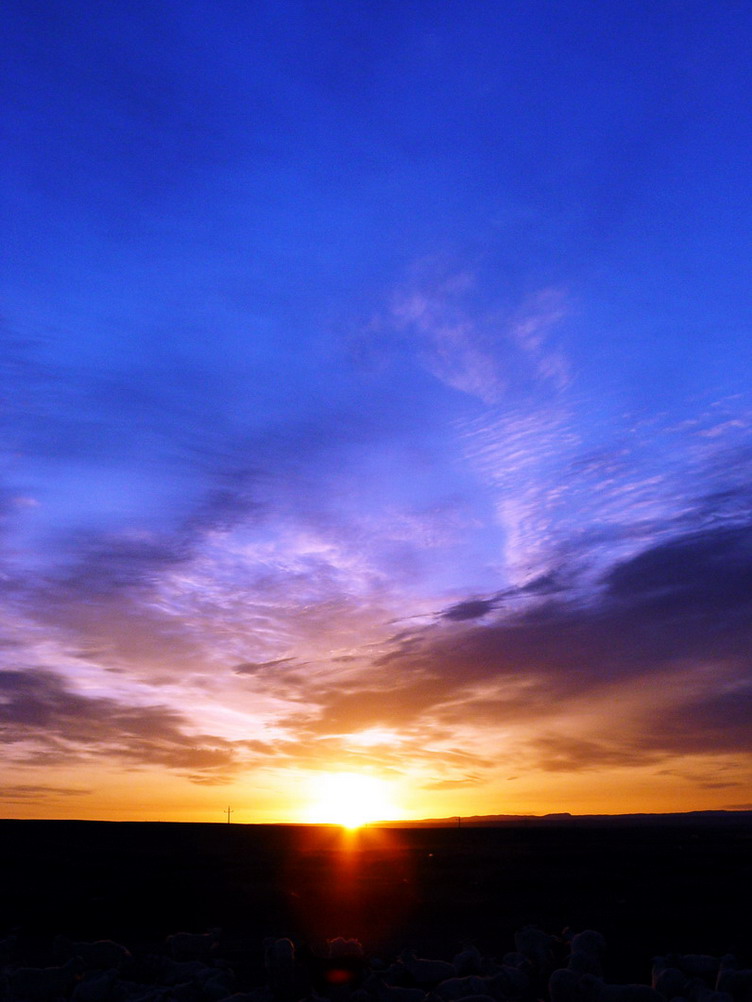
(376, 400)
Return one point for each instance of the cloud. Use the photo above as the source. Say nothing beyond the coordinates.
(254, 667)
(471, 609)
(485, 352)
(567, 753)
(110, 563)
(531, 326)
(526, 677)
(711, 721)
(590, 571)
(575, 493)
(454, 784)
(396, 703)
(706, 571)
(42, 721)
(675, 619)
(20, 792)
(452, 349)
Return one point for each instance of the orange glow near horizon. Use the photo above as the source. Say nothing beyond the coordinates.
(349, 799)
(309, 796)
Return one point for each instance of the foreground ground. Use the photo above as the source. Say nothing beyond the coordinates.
(649, 890)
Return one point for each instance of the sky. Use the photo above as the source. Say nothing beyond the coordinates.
(376, 403)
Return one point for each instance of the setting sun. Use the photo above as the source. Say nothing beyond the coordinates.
(349, 799)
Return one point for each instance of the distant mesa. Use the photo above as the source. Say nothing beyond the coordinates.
(613, 820)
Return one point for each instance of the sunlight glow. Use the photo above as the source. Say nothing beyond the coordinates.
(349, 799)
(374, 736)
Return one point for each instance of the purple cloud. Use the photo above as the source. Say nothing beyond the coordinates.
(42, 721)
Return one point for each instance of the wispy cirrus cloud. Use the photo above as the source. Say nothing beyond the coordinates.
(582, 497)
(484, 353)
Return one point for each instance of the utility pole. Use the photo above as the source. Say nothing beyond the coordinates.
(459, 822)
(228, 812)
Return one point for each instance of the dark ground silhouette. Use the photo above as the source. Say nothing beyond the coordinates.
(649, 890)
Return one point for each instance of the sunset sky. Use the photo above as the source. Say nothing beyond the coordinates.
(377, 399)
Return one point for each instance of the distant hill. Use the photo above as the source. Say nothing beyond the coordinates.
(574, 820)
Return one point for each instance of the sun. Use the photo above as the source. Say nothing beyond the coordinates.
(349, 799)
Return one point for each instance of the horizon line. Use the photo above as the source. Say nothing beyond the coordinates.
(454, 820)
